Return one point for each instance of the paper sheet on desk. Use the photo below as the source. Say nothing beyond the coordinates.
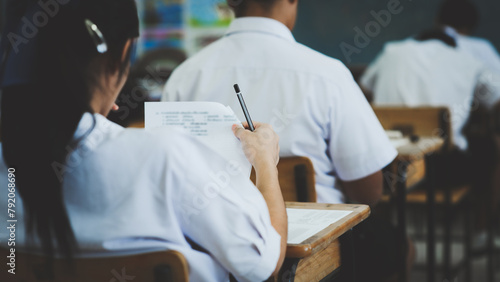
(305, 223)
(209, 122)
(397, 139)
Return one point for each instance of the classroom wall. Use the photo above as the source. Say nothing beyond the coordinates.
(325, 25)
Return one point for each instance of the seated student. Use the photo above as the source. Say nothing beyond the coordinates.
(86, 186)
(313, 103)
(429, 71)
(459, 19)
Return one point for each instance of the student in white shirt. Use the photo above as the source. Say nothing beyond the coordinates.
(311, 100)
(459, 19)
(85, 186)
(430, 71)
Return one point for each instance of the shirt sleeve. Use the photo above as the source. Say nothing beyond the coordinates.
(221, 210)
(358, 144)
(492, 56)
(488, 90)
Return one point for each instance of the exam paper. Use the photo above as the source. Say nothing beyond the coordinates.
(209, 122)
(397, 139)
(305, 223)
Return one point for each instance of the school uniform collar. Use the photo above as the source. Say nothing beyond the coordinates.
(450, 31)
(95, 124)
(260, 25)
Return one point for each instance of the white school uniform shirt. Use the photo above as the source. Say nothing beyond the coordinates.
(479, 48)
(430, 73)
(311, 100)
(130, 190)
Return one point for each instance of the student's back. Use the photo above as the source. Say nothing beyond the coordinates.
(307, 97)
(129, 191)
(428, 73)
(481, 49)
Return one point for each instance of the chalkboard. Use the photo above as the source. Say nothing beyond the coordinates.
(328, 25)
(2, 14)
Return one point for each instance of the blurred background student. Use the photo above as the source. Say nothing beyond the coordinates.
(459, 19)
(428, 70)
(431, 70)
(89, 187)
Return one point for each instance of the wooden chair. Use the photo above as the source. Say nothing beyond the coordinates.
(296, 178)
(435, 122)
(420, 121)
(158, 266)
(137, 124)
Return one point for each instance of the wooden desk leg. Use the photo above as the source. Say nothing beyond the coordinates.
(468, 241)
(448, 217)
(431, 240)
(401, 212)
(288, 270)
(348, 268)
(490, 240)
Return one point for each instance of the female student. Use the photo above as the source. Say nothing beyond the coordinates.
(86, 186)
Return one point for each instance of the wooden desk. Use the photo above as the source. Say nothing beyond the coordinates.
(319, 256)
(407, 170)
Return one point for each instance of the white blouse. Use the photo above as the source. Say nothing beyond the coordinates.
(130, 190)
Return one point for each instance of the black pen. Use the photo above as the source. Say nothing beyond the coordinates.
(244, 107)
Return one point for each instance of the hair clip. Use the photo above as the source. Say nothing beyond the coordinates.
(97, 36)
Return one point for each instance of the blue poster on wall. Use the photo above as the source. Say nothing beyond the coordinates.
(163, 24)
(209, 13)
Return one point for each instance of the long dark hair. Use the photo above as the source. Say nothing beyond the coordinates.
(38, 119)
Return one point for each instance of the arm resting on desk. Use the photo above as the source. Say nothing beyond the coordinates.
(367, 190)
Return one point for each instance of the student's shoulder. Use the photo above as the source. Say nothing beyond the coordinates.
(318, 64)
(317, 58)
(209, 53)
(400, 46)
(158, 140)
(155, 145)
(477, 42)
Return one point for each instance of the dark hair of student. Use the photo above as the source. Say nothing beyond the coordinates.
(240, 6)
(437, 34)
(459, 14)
(39, 119)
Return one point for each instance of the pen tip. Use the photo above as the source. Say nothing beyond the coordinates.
(236, 88)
